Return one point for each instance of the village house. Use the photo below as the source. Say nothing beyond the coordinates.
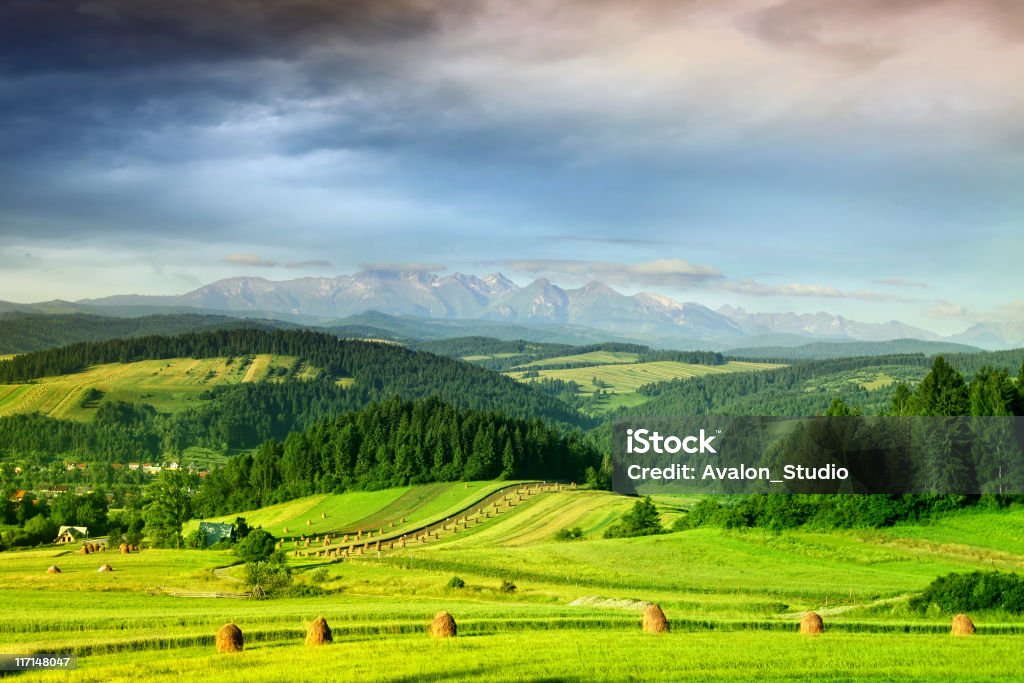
(70, 534)
(213, 532)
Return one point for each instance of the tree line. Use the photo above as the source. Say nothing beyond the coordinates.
(395, 443)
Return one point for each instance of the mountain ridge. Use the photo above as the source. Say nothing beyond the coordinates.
(494, 297)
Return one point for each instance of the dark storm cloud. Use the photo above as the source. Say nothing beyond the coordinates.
(42, 36)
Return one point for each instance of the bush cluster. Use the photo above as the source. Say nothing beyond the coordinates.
(972, 592)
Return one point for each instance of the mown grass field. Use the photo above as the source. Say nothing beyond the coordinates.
(620, 377)
(317, 515)
(733, 597)
(167, 385)
(592, 357)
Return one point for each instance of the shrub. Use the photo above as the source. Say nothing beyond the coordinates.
(455, 582)
(40, 529)
(319, 575)
(195, 540)
(573, 534)
(975, 591)
(507, 587)
(302, 590)
(267, 578)
(256, 547)
(641, 520)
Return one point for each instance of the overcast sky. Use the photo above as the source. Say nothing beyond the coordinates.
(864, 157)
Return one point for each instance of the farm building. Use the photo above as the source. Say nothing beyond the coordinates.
(214, 532)
(70, 534)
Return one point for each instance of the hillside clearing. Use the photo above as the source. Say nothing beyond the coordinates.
(167, 385)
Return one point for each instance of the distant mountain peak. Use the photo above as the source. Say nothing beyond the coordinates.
(646, 315)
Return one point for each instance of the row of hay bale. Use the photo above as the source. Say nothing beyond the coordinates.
(89, 548)
(811, 624)
(231, 639)
(54, 569)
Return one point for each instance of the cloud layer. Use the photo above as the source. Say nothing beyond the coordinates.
(851, 146)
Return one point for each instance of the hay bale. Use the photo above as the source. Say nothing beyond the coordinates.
(654, 620)
(84, 550)
(230, 639)
(962, 626)
(811, 624)
(443, 626)
(53, 569)
(319, 633)
(124, 548)
(105, 568)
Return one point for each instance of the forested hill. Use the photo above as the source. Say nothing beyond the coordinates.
(380, 369)
(23, 332)
(395, 443)
(807, 387)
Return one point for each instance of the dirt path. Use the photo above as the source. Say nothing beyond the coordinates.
(840, 609)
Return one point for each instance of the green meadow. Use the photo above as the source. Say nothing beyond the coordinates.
(167, 385)
(733, 597)
(618, 375)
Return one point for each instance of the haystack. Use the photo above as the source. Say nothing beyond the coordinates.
(84, 550)
(230, 639)
(654, 620)
(962, 625)
(53, 569)
(124, 548)
(443, 626)
(105, 568)
(811, 624)
(319, 633)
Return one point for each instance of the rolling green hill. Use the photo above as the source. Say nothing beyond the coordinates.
(614, 380)
(167, 385)
(21, 332)
(850, 349)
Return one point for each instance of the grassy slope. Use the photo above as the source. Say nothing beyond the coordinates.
(365, 510)
(593, 357)
(167, 385)
(746, 584)
(621, 378)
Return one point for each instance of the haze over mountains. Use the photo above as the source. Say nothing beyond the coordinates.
(644, 316)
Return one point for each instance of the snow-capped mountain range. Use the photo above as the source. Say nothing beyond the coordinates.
(497, 298)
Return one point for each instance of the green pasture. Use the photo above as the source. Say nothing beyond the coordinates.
(619, 379)
(591, 357)
(734, 598)
(168, 385)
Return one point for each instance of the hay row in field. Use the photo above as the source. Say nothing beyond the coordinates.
(379, 540)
